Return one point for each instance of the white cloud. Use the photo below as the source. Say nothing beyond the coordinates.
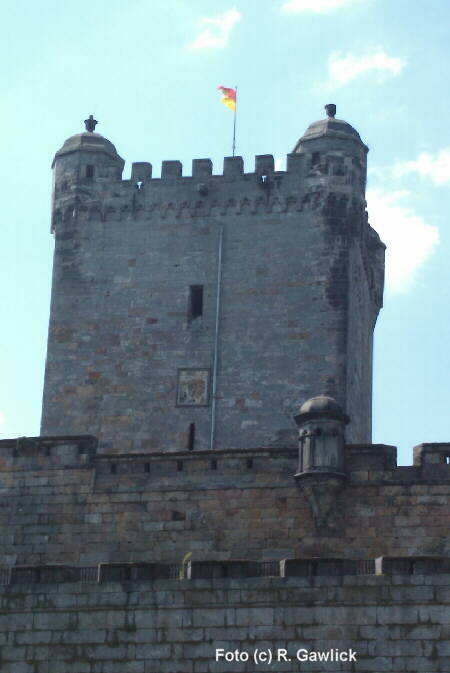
(2, 418)
(433, 166)
(409, 239)
(316, 6)
(344, 68)
(216, 31)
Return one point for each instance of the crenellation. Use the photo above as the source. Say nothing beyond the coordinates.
(264, 165)
(59, 512)
(432, 453)
(178, 496)
(45, 452)
(171, 169)
(233, 166)
(348, 572)
(370, 456)
(141, 171)
(72, 452)
(337, 172)
(280, 192)
(201, 168)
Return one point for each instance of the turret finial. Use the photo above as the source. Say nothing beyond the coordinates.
(90, 123)
(330, 109)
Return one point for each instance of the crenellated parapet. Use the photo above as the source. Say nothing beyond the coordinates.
(299, 175)
(47, 452)
(62, 503)
(359, 463)
(265, 192)
(159, 573)
(216, 616)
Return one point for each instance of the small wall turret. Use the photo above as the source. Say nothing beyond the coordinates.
(321, 473)
(321, 424)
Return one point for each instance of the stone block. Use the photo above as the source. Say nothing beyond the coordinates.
(201, 168)
(141, 171)
(101, 619)
(295, 163)
(171, 169)
(264, 164)
(233, 166)
(210, 617)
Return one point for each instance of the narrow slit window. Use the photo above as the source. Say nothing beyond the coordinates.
(89, 171)
(191, 437)
(195, 301)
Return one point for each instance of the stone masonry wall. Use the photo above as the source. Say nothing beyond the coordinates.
(120, 329)
(60, 503)
(393, 623)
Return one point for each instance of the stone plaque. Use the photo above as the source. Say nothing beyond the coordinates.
(193, 387)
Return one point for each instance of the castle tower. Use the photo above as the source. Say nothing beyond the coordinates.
(196, 312)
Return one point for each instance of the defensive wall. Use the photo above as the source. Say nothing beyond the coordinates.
(61, 502)
(171, 509)
(395, 616)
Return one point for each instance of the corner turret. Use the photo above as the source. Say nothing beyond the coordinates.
(85, 158)
(335, 152)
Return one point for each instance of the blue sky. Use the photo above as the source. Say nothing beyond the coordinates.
(149, 71)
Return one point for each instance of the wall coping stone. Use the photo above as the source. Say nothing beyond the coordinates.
(307, 568)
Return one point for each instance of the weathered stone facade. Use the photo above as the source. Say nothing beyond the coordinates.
(171, 507)
(290, 275)
(149, 563)
(62, 503)
(131, 620)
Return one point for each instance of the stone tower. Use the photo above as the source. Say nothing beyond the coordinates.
(196, 312)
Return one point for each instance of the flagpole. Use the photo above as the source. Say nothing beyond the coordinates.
(234, 122)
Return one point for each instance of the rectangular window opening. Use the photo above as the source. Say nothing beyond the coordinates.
(179, 465)
(146, 467)
(89, 171)
(113, 468)
(191, 437)
(214, 464)
(195, 302)
(249, 463)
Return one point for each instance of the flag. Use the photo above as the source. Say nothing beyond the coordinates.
(228, 97)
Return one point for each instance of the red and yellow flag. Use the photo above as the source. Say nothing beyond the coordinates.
(228, 97)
